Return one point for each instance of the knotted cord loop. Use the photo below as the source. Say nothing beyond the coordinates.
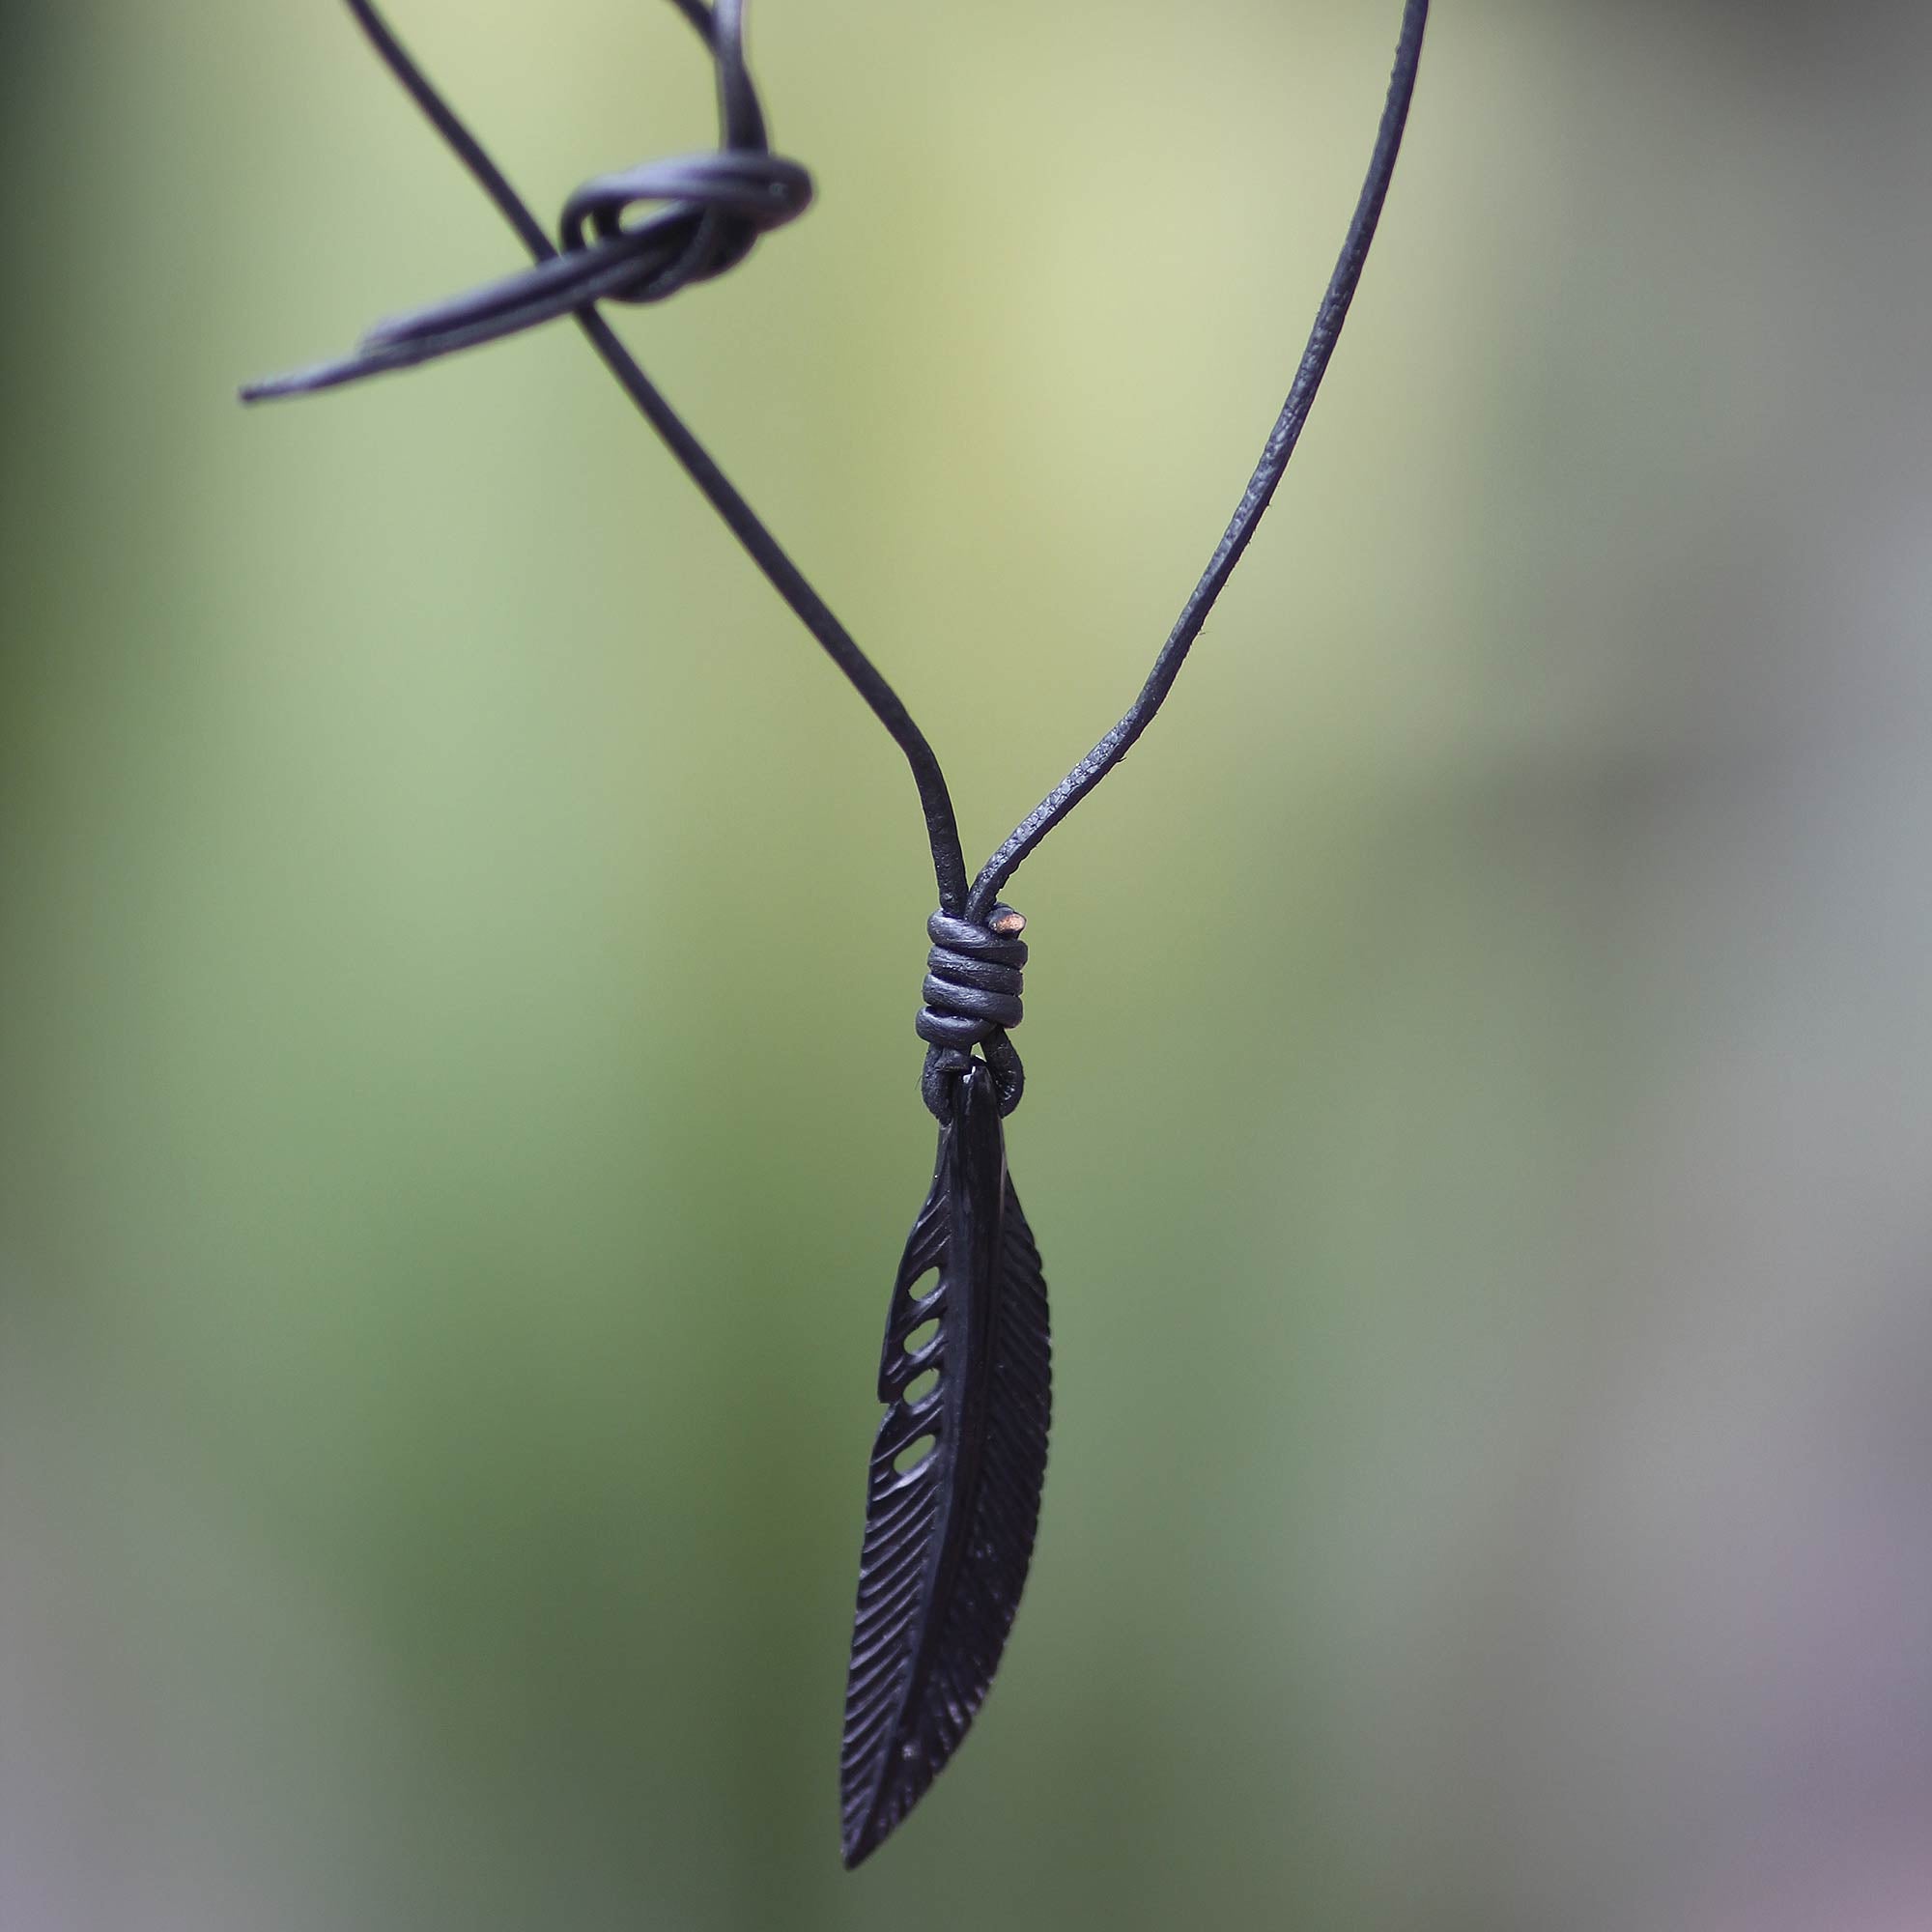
(713, 207)
(971, 993)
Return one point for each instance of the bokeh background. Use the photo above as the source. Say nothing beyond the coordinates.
(461, 940)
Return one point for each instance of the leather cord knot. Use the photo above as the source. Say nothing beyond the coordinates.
(712, 207)
(715, 207)
(972, 992)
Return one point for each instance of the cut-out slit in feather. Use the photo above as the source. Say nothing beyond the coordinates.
(948, 1542)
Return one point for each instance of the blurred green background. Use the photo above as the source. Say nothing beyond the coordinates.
(458, 1087)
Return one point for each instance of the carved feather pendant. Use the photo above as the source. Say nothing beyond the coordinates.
(952, 1500)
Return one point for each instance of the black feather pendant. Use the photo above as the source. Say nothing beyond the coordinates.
(954, 1498)
(949, 1533)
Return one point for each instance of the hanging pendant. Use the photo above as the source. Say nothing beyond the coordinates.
(952, 1497)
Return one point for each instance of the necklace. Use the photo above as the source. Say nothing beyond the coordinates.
(953, 1487)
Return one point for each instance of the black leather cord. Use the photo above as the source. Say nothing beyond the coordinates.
(713, 208)
(742, 123)
(719, 204)
(1254, 499)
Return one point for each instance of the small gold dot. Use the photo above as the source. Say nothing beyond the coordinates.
(1007, 923)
